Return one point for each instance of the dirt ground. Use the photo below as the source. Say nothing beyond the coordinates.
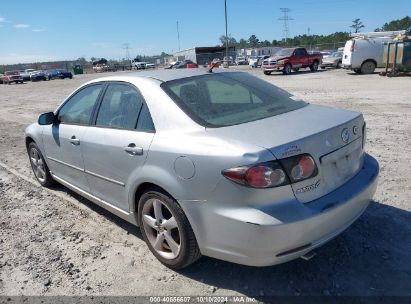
(53, 242)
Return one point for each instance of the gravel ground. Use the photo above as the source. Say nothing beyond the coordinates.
(53, 242)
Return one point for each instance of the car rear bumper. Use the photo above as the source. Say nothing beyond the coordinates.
(298, 227)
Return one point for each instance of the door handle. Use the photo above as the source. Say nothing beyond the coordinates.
(133, 150)
(74, 141)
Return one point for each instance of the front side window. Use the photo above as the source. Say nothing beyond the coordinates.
(223, 99)
(79, 108)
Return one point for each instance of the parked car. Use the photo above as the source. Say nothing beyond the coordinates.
(172, 64)
(252, 60)
(221, 164)
(230, 60)
(12, 76)
(241, 60)
(363, 55)
(186, 64)
(66, 74)
(52, 74)
(289, 59)
(26, 74)
(140, 65)
(150, 66)
(38, 75)
(332, 61)
(260, 61)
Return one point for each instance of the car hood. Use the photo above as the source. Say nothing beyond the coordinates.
(276, 58)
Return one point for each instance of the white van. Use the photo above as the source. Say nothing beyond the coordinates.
(364, 54)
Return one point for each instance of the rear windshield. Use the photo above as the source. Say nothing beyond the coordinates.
(224, 99)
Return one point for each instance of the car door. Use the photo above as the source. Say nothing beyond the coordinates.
(299, 58)
(63, 140)
(116, 146)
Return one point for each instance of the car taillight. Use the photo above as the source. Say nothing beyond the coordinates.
(274, 173)
(264, 175)
(299, 167)
(352, 46)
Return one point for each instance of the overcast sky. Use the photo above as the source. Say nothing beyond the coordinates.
(43, 30)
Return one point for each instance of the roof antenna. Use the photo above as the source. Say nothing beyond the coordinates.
(212, 67)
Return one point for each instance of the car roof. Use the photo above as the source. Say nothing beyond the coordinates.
(171, 74)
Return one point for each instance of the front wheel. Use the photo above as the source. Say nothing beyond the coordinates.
(314, 66)
(267, 73)
(39, 166)
(166, 230)
(287, 69)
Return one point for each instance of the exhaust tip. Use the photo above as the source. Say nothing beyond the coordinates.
(309, 255)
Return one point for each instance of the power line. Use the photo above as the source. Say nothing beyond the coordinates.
(286, 18)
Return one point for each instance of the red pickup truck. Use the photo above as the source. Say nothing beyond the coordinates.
(287, 60)
(12, 76)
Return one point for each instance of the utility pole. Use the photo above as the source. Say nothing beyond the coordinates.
(226, 34)
(286, 18)
(178, 37)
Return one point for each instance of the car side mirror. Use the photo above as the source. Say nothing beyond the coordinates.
(47, 119)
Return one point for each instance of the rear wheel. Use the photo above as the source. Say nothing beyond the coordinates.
(39, 166)
(166, 230)
(287, 69)
(368, 67)
(314, 66)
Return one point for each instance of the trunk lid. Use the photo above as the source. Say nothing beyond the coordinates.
(326, 134)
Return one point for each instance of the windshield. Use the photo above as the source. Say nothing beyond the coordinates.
(285, 52)
(224, 99)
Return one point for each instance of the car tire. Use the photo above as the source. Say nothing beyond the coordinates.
(267, 73)
(159, 238)
(287, 69)
(338, 65)
(314, 66)
(39, 166)
(368, 67)
(323, 68)
(357, 71)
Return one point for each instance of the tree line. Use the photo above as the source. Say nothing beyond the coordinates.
(312, 40)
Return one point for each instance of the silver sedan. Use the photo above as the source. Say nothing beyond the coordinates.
(216, 163)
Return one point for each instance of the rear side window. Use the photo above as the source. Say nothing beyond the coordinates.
(78, 109)
(223, 99)
(145, 123)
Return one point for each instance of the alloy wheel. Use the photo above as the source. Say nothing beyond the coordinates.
(161, 228)
(38, 165)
